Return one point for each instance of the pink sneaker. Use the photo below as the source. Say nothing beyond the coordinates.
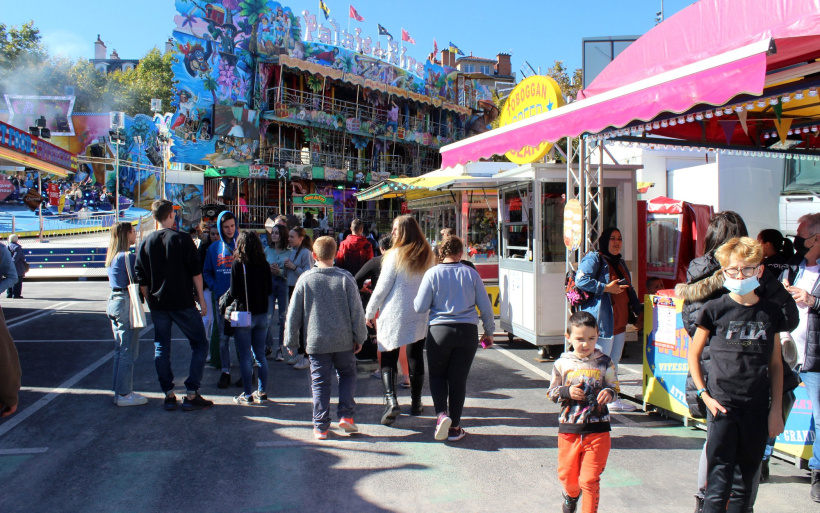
(443, 423)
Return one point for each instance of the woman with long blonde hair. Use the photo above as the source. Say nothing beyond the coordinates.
(120, 264)
(403, 268)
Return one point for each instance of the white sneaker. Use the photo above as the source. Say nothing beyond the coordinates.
(302, 364)
(293, 360)
(618, 405)
(132, 399)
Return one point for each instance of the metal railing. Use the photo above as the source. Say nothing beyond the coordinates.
(310, 101)
(393, 164)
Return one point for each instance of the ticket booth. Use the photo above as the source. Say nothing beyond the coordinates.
(532, 255)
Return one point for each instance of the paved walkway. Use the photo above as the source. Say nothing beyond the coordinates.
(69, 449)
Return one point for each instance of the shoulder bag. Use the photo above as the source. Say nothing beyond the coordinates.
(136, 313)
(242, 319)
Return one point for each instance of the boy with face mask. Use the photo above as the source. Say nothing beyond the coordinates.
(745, 371)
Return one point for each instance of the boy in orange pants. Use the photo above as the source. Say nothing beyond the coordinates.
(584, 382)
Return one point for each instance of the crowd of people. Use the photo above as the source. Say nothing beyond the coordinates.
(319, 291)
(752, 308)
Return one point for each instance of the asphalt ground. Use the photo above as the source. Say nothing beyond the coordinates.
(70, 449)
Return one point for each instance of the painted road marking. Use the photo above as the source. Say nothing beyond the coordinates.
(15, 452)
(62, 389)
(523, 362)
(84, 340)
(22, 319)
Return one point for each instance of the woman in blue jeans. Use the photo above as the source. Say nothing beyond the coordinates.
(276, 254)
(120, 263)
(604, 275)
(250, 287)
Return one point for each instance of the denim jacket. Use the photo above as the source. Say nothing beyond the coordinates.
(593, 276)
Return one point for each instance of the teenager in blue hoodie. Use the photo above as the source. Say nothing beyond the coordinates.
(216, 270)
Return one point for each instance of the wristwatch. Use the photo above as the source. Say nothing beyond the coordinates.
(701, 391)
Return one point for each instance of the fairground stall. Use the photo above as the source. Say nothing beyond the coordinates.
(748, 88)
(465, 199)
(530, 254)
(21, 151)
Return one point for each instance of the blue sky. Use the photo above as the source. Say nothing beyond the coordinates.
(538, 31)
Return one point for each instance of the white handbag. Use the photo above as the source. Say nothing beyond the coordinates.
(242, 319)
(136, 313)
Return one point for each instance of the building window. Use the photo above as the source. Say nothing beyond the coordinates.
(486, 69)
(469, 68)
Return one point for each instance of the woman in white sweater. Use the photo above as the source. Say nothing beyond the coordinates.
(403, 268)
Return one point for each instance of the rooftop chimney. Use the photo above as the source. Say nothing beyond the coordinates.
(448, 58)
(169, 45)
(503, 67)
(115, 56)
(99, 48)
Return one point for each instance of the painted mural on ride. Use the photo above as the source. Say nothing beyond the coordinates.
(217, 77)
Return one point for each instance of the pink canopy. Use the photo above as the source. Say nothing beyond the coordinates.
(706, 54)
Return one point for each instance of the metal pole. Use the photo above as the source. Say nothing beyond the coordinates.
(138, 192)
(40, 189)
(117, 172)
(164, 147)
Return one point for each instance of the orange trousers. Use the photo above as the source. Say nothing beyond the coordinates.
(581, 461)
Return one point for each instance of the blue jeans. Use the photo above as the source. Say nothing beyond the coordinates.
(614, 348)
(812, 382)
(126, 342)
(321, 376)
(224, 340)
(279, 294)
(190, 323)
(250, 344)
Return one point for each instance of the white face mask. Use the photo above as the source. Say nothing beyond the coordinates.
(741, 287)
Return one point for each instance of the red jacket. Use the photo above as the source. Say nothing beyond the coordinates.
(353, 253)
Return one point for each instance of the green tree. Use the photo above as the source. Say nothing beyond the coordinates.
(20, 47)
(570, 83)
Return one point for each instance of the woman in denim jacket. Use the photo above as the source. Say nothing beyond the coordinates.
(603, 274)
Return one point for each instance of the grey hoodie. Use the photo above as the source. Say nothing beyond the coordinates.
(596, 372)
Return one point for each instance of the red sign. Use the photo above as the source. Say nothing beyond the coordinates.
(6, 188)
(53, 194)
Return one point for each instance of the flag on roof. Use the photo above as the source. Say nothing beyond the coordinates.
(405, 36)
(432, 56)
(456, 50)
(355, 15)
(325, 9)
(383, 31)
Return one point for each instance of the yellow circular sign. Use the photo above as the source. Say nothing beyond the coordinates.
(532, 96)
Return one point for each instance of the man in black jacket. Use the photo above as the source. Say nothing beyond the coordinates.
(804, 286)
(169, 271)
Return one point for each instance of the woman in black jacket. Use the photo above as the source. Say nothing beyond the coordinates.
(250, 287)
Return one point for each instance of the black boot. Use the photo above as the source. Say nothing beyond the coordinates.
(391, 408)
(764, 471)
(815, 485)
(570, 503)
(416, 385)
(698, 504)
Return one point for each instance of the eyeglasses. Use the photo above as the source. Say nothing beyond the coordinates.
(747, 272)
